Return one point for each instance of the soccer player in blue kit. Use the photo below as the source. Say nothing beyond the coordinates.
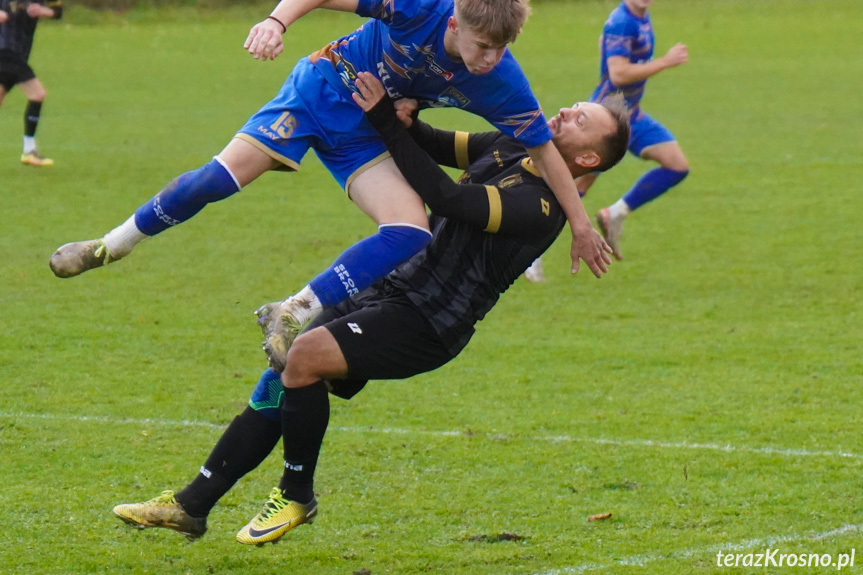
(627, 62)
(440, 52)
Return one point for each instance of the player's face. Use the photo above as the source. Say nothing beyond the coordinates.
(479, 54)
(581, 127)
(639, 6)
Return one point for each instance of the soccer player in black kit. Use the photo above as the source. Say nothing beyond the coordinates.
(486, 230)
(18, 19)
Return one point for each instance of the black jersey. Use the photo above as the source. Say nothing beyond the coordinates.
(487, 229)
(16, 34)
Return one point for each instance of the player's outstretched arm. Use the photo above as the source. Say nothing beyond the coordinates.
(622, 72)
(587, 244)
(264, 41)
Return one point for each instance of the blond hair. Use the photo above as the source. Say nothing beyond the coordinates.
(499, 20)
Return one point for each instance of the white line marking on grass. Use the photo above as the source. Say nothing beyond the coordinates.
(491, 436)
(114, 420)
(708, 552)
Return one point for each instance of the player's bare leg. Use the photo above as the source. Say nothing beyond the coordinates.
(673, 168)
(35, 93)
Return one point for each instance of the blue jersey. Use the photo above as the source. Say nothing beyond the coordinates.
(403, 45)
(627, 35)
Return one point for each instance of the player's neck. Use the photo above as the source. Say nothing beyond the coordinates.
(640, 12)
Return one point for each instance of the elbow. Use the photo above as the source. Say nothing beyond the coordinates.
(618, 78)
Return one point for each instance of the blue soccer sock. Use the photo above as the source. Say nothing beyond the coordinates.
(367, 261)
(267, 395)
(652, 185)
(185, 196)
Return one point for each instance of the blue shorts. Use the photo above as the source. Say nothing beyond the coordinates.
(308, 112)
(646, 132)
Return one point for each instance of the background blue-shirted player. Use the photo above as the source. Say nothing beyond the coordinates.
(440, 52)
(627, 62)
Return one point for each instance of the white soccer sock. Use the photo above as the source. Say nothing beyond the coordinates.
(29, 144)
(618, 209)
(123, 238)
(309, 305)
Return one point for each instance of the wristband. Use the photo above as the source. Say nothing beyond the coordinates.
(284, 28)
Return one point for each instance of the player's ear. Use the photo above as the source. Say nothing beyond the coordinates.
(452, 24)
(588, 159)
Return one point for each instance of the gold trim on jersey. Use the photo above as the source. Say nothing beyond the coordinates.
(363, 168)
(525, 163)
(461, 156)
(288, 164)
(494, 209)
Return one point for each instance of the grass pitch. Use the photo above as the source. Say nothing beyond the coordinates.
(706, 392)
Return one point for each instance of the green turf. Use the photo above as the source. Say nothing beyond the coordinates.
(706, 392)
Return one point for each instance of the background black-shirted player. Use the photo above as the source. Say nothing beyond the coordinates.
(18, 19)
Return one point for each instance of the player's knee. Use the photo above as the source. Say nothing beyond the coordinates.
(299, 366)
(405, 238)
(209, 183)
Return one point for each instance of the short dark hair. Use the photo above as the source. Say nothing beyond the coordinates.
(613, 147)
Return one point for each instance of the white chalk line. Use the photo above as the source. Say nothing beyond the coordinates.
(636, 560)
(491, 436)
(708, 552)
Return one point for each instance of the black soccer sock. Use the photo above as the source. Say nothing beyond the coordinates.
(247, 441)
(305, 416)
(31, 118)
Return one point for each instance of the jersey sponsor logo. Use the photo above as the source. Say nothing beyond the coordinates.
(452, 98)
(545, 206)
(355, 328)
(268, 133)
(510, 181)
(386, 81)
(437, 68)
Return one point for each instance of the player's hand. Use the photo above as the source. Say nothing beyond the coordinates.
(265, 40)
(591, 247)
(371, 91)
(3, 16)
(34, 10)
(406, 110)
(676, 55)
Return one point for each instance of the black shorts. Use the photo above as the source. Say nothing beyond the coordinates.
(14, 70)
(382, 336)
